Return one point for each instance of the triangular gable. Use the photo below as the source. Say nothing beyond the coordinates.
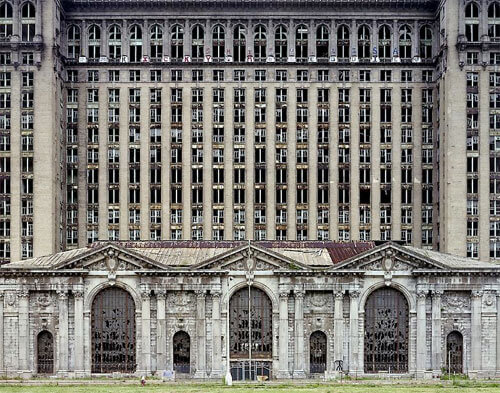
(389, 257)
(110, 257)
(250, 257)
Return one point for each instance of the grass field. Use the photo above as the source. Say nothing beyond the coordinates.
(365, 387)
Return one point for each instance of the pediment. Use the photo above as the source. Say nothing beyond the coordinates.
(389, 257)
(110, 258)
(250, 258)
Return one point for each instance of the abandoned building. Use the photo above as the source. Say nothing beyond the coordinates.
(279, 309)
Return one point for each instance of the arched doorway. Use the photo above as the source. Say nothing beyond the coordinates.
(45, 353)
(386, 332)
(182, 352)
(113, 332)
(455, 352)
(317, 352)
(250, 334)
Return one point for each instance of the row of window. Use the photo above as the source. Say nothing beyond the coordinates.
(198, 48)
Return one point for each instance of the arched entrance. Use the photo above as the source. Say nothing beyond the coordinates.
(113, 332)
(250, 334)
(455, 352)
(317, 352)
(45, 353)
(386, 332)
(182, 352)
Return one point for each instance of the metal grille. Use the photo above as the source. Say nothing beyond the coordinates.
(454, 352)
(249, 370)
(182, 352)
(113, 332)
(45, 353)
(317, 348)
(251, 335)
(386, 332)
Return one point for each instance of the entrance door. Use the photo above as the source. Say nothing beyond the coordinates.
(113, 332)
(454, 352)
(45, 353)
(386, 332)
(317, 356)
(182, 352)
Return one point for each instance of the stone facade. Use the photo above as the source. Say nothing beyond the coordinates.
(311, 287)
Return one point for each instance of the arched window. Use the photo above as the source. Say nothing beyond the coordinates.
(301, 42)
(135, 43)
(317, 353)
(405, 42)
(73, 42)
(45, 353)
(28, 22)
(177, 44)
(384, 42)
(5, 21)
(182, 352)
(156, 42)
(454, 353)
(218, 42)
(281, 43)
(426, 42)
(364, 42)
(386, 331)
(250, 330)
(494, 21)
(239, 43)
(198, 42)
(260, 43)
(115, 42)
(343, 42)
(94, 47)
(472, 22)
(322, 42)
(113, 332)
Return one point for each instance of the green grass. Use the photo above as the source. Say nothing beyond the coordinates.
(351, 387)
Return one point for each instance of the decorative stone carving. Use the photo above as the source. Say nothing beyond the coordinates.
(62, 294)
(10, 299)
(180, 302)
(422, 294)
(456, 302)
(318, 301)
(43, 300)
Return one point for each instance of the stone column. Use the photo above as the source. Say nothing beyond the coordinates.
(79, 365)
(145, 362)
(311, 40)
(24, 339)
(298, 371)
(476, 304)
(436, 333)
(421, 332)
(63, 333)
(208, 38)
(283, 336)
(201, 371)
(354, 332)
(161, 332)
(270, 39)
(2, 363)
(216, 337)
(497, 335)
(338, 328)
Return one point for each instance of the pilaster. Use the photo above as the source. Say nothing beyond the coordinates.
(283, 371)
(354, 332)
(79, 365)
(436, 351)
(338, 327)
(201, 371)
(145, 362)
(476, 304)
(161, 332)
(62, 296)
(421, 332)
(298, 371)
(216, 337)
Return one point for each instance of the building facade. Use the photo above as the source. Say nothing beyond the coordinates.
(298, 120)
(275, 309)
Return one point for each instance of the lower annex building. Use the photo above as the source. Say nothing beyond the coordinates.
(279, 309)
